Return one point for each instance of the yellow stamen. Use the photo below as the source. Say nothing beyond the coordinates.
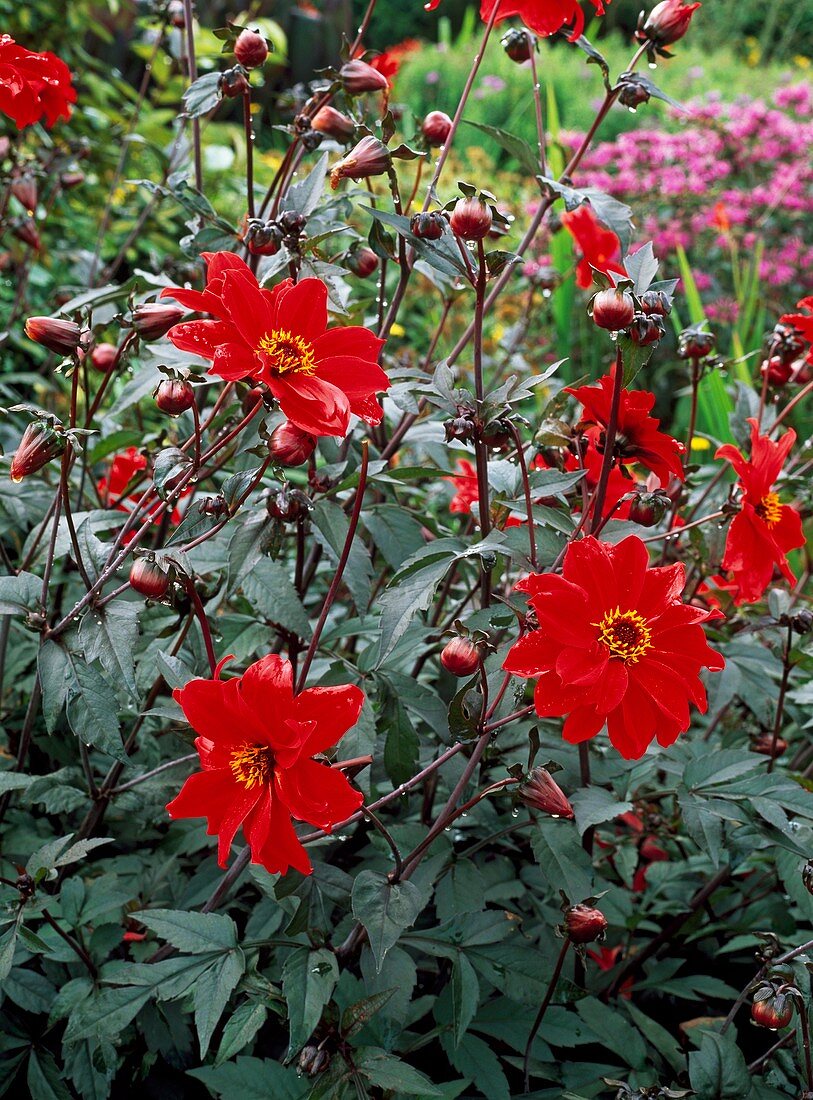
(625, 634)
(252, 764)
(287, 352)
(769, 509)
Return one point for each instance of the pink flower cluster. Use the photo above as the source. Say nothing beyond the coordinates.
(725, 172)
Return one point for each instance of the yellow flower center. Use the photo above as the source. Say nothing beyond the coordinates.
(625, 634)
(769, 509)
(287, 352)
(252, 764)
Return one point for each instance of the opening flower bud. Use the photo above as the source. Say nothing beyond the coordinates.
(695, 345)
(152, 320)
(370, 157)
(358, 77)
(471, 219)
(584, 924)
(461, 657)
(40, 443)
(645, 331)
(149, 578)
(63, 337)
(427, 225)
(539, 792)
(103, 357)
(362, 261)
(263, 238)
(174, 396)
(436, 128)
(667, 22)
(655, 302)
(612, 309)
(250, 49)
(333, 124)
(773, 1010)
(290, 446)
(518, 45)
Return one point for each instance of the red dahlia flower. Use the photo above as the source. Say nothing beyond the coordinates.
(33, 85)
(802, 322)
(255, 742)
(318, 375)
(123, 469)
(764, 530)
(615, 645)
(544, 17)
(600, 247)
(467, 491)
(637, 438)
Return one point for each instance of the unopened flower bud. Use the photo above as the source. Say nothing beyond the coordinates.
(26, 231)
(234, 83)
(103, 357)
(634, 92)
(263, 238)
(287, 504)
(462, 427)
(461, 657)
(518, 45)
(362, 261)
(667, 22)
(252, 397)
(358, 77)
(776, 370)
(647, 509)
(655, 302)
(176, 14)
(54, 333)
(149, 578)
(645, 330)
(69, 180)
(333, 124)
(765, 745)
(370, 157)
(695, 345)
(291, 221)
(771, 1010)
(250, 49)
(612, 309)
(584, 924)
(24, 190)
(807, 876)
(174, 396)
(471, 219)
(436, 128)
(427, 225)
(290, 446)
(539, 792)
(802, 621)
(40, 443)
(152, 320)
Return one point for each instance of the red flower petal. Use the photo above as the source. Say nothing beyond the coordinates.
(318, 794)
(334, 710)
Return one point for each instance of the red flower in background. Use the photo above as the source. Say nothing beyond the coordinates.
(802, 322)
(615, 645)
(600, 247)
(33, 85)
(764, 530)
(544, 17)
(389, 62)
(467, 492)
(618, 483)
(123, 469)
(318, 375)
(255, 742)
(638, 438)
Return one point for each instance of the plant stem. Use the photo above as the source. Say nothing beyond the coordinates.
(249, 132)
(787, 665)
(396, 854)
(155, 771)
(480, 448)
(200, 614)
(73, 944)
(192, 68)
(609, 443)
(523, 465)
(540, 125)
(546, 1000)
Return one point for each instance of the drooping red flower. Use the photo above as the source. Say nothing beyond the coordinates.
(637, 437)
(764, 530)
(543, 17)
(600, 248)
(615, 646)
(33, 85)
(256, 741)
(318, 375)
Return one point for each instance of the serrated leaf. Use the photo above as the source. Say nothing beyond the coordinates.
(385, 909)
(595, 805)
(92, 711)
(270, 590)
(108, 635)
(241, 1028)
(308, 980)
(196, 933)
(211, 993)
(562, 859)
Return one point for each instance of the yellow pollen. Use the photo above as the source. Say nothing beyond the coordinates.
(625, 634)
(252, 764)
(287, 352)
(769, 509)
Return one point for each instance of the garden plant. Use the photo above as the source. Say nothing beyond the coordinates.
(405, 625)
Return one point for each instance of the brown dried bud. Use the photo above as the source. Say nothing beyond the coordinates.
(250, 49)
(54, 333)
(771, 1010)
(585, 924)
(234, 83)
(647, 509)
(634, 92)
(71, 179)
(287, 504)
(333, 124)
(461, 657)
(370, 157)
(290, 446)
(612, 309)
(802, 621)
(40, 443)
(463, 426)
(471, 219)
(152, 320)
(539, 792)
(362, 261)
(149, 578)
(518, 45)
(174, 396)
(358, 77)
(436, 128)
(427, 225)
(26, 231)
(103, 357)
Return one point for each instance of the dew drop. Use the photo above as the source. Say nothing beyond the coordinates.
(632, 110)
(653, 65)
(515, 812)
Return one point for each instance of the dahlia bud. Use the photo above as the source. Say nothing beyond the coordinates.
(667, 22)
(104, 356)
(634, 93)
(463, 426)
(151, 320)
(461, 657)
(149, 578)
(263, 238)
(427, 225)
(362, 261)
(807, 876)
(24, 190)
(251, 399)
(765, 745)
(612, 309)
(290, 446)
(655, 302)
(647, 509)
(370, 157)
(26, 231)
(776, 370)
(436, 128)
(291, 222)
(539, 792)
(234, 83)
(69, 180)
(63, 337)
(584, 924)
(287, 504)
(333, 124)
(174, 396)
(771, 1010)
(646, 330)
(176, 14)
(40, 443)
(358, 77)
(802, 621)
(250, 49)
(695, 345)
(471, 219)
(518, 45)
